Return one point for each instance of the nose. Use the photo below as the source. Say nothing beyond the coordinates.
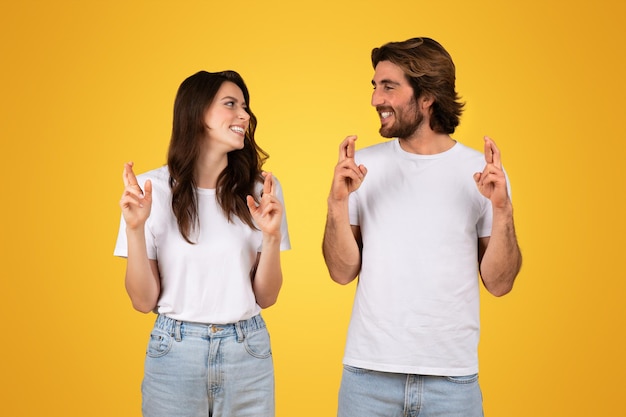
(377, 98)
(243, 115)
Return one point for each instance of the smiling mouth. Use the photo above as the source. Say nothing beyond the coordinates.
(385, 112)
(238, 129)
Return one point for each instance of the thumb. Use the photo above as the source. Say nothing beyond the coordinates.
(251, 204)
(147, 190)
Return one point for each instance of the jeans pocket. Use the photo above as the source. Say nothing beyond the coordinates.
(160, 343)
(465, 379)
(355, 370)
(257, 344)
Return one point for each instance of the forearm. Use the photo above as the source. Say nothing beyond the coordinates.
(502, 259)
(142, 278)
(268, 277)
(340, 248)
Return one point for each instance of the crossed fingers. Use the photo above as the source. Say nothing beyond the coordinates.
(492, 153)
(346, 148)
(131, 185)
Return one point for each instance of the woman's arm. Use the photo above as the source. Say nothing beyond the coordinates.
(267, 275)
(142, 280)
(142, 274)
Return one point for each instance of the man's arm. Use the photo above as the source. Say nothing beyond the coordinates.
(342, 242)
(341, 246)
(500, 258)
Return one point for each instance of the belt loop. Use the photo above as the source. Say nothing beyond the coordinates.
(177, 333)
(239, 331)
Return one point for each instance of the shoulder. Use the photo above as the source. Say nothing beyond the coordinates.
(467, 151)
(258, 187)
(466, 155)
(160, 177)
(379, 150)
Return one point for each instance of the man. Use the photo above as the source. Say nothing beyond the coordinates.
(416, 218)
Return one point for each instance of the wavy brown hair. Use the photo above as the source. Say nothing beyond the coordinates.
(429, 69)
(237, 180)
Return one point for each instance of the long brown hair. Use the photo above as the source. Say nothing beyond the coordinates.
(237, 180)
(430, 70)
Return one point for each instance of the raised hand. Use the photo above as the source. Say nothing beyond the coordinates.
(492, 182)
(348, 175)
(135, 203)
(268, 213)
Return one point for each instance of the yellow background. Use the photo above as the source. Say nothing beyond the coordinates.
(86, 86)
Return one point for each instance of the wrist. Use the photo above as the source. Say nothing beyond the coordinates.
(337, 205)
(272, 238)
(505, 208)
(134, 230)
(503, 214)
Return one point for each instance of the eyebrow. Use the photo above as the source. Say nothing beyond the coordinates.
(234, 99)
(386, 81)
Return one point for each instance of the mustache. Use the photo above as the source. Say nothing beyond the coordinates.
(381, 109)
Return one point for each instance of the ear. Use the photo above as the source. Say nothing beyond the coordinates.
(426, 101)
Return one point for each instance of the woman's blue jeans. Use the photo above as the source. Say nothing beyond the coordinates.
(200, 370)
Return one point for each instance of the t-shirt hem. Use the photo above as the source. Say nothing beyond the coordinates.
(411, 369)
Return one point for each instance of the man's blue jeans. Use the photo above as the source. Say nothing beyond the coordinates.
(383, 394)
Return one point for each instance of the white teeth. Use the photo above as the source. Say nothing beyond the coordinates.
(237, 129)
(385, 114)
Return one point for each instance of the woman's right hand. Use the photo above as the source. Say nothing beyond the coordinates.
(135, 203)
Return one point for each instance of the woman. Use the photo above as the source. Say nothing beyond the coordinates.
(203, 240)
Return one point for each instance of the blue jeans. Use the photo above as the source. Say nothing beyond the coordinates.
(199, 370)
(384, 394)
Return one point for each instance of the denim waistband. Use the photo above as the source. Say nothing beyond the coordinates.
(240, 328)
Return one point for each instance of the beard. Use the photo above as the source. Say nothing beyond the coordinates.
(407, 121)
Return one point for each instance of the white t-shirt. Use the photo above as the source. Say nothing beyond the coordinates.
(209, 281)
(416, 308)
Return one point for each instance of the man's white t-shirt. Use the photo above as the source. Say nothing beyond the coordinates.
(416, 308)
(209, 281)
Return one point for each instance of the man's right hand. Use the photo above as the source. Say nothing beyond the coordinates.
(348, 175)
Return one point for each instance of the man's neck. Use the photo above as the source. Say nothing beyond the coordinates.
(427, 143)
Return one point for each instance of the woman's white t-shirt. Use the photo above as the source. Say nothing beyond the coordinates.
(209, 281)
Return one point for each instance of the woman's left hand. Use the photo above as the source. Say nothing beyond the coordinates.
(268, 213)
